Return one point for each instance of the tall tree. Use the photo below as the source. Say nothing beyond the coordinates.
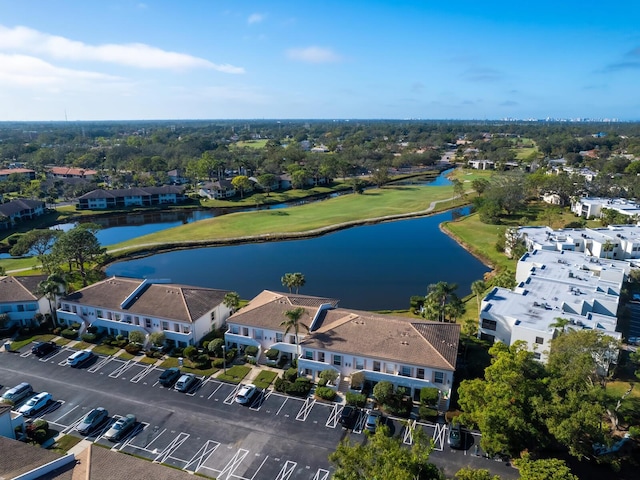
(38, 241)
(478, 288)
(438, 295)
(543, 469)
(52, 288)
(231, 300)
(288, 281)
(241, 183)
(298, 281)
(293, 323)
(79, 246)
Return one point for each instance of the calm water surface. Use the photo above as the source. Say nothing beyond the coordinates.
(372, 267)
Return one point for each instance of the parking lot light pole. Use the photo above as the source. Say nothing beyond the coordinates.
(224, 358)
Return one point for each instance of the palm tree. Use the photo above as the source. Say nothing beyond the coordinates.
(288, 281)
(298, 281)
(232, 301)
(438, 294)
(478, 288)
(51, 288)
(293, 322)
(560, 325)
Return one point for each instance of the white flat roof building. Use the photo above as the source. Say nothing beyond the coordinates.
(552, 285)
(591, 207)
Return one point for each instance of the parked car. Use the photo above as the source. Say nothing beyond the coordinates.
(349, 416)
(169, 376)
(186, 382)
(41, 349)
(35, 404)
(92, 420)
(455, 436)
(246, 394)
(18, 393)
(374, 418)
(119, 429)
(78, 358)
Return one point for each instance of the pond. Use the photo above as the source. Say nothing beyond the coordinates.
(373, 267)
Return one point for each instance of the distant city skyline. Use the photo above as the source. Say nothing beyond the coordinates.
(406, 59)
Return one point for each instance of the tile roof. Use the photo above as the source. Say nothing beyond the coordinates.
(18, 205)
(400, 339)
(132, 192)
(72, 171)
(12, 290)
(163, 300)
(267, 310)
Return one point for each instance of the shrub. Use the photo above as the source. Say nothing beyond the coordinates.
(202, 361)
(400, 407)
(427, 413)
(322, 382)
(231, 354)
(290, 374)
(357, 380)
(137, 336)
(75, 326)
(326, 393)
(190, 352)
(272, 353)
(429, 395)
(205, 345)
(301, 387)
(158, 338)
(149, 353)
(330, 375)
(176, 352)
(132, 348)
(92, 329)
(57, 330)
(69, 333)
(279, 384)
(89, 337)
(215, 347)
(383, 391)
(218, 362)
(357, 399)
(251, 350)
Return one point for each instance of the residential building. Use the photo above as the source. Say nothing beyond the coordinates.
(482, 164)
(554, 284)
(218, 190)
(618, 242)
(19, 210)
(131, 197)
(26, 173)
(120, 305)
(9, 421)
(19, 298)
(408, 353)
(176, 177)
(71, 172)
(592, 207)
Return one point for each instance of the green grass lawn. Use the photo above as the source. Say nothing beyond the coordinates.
(147, 360)
(65, 443)
(83, 345)
(105, 350)
(62, 341)
(234, 374)
(274, 223)
(188, 367)
(257, 144)
(264, 379)
(22, 342)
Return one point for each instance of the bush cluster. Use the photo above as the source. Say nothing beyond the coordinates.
(291, 384)
(133, 348)
(251, 350)
(69, 333)
(89, 337)
(326, 393)
(272, 353)
(357, 399)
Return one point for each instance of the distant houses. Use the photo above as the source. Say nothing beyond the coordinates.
(19, 210)
(70, 172)
(131, 197)
(25, 173)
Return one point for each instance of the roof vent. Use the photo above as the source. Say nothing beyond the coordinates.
(404, 343)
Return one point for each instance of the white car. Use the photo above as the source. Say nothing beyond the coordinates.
(79, 358)
(246, 393)
(35, 404)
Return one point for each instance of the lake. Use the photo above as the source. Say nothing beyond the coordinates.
(373, 267)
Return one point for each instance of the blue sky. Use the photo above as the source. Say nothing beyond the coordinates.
(195, 59)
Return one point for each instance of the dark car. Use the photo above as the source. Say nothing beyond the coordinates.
(92, 420)
(349, 416)
(169, 376)
(374, 419)
(455, 436)
(41, 349)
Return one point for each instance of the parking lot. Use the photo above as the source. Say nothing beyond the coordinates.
(204, 430)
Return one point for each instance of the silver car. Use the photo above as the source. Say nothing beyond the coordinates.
(119, 429)
(186, 382)
(92, 420)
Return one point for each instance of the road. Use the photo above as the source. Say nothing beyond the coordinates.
(205, 431)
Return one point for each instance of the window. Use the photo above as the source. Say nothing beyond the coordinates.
(376, 366)
(186, 329)
(117, 316)
(98, 313)
(65, 307)
(308, 354)
(109, 316)
(359, 364)
(420, 373)
(321, 357)
(405, 371)
(127, 318)
(245, 331)
(292, 339)
(136, 320)
(488, 324)
(165, 325)
(21, 308)
(235, 329)
(539, 340)
(84, 311)
(390, 368)
(147, 322)
(258, 334)
(176, 327)
(337, 360)
(74, 309)
(279, 337)
(487, 338)
(537, 355)
(213, 316)
(438, 377)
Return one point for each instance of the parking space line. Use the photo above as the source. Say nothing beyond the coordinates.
(63, 363)
(321, 474)
(407, 436)
(332, 421)
(198, 387)
(99, 365)
(48, 409)
(304, 411)
(172, 447)
(131, 435)
(285, 401)
(155, 429)
(214, 392)
(65, 414)
(362, 418)
(139, 376)
(232, 464)
(107, 427)
(122, 368)
(26, 354)
(287, 470)
(439, 435)
(259, 401)
(232, 395)
(202, 455)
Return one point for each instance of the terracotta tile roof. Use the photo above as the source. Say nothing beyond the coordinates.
(11, 290)
(267, 310)
(18, 458)
(162, 300)
(400, 339)
(9, 171)
(72, 171)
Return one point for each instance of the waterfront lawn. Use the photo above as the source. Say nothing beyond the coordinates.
(371, 204)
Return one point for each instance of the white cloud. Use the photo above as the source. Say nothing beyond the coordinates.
(26, 71)
(313, 55)
(255, 18)
(140, 55)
